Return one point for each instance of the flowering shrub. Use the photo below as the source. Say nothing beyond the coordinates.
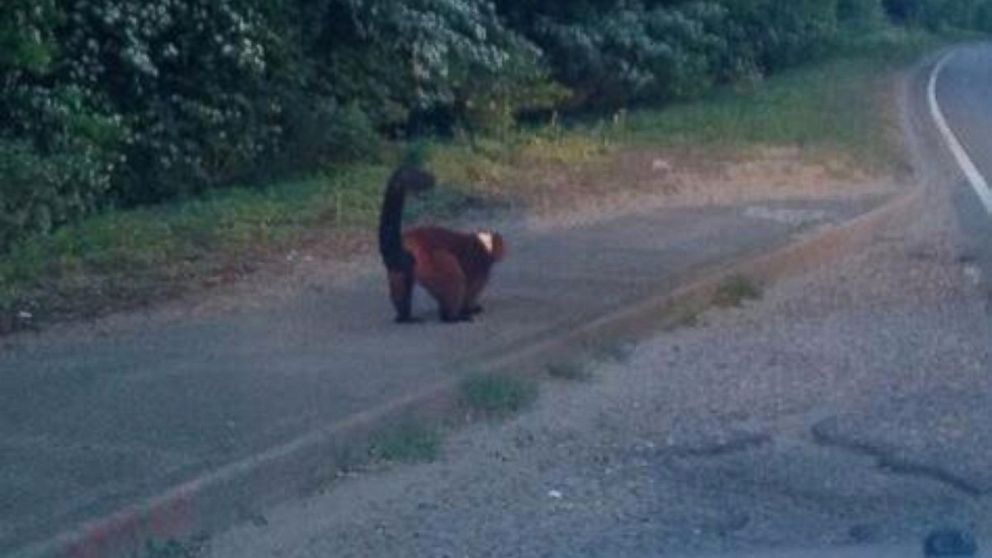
(128, 101)
(40, 191)
(398, 58)
(188, 78)
(614, 53)
(55, 161)
(633, 53)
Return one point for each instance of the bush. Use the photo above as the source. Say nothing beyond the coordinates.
(860, 14)
(38, 193)
(321, 132)
(351, 137)
(939, 14)
(126, 102)
(633, 53)
(191, 80)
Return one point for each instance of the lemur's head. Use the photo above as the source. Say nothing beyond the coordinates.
(493, 243)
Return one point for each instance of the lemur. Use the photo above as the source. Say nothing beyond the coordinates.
(452, 266)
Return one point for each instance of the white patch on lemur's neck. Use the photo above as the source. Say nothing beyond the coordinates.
(486, 238)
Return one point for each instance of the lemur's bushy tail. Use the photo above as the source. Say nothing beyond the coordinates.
(391, 219)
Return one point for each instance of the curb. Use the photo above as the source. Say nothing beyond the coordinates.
(232, 493)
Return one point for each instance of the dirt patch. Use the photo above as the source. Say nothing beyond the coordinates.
(560, 196)
(644, 179)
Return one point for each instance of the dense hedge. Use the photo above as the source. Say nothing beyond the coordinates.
(126, 101)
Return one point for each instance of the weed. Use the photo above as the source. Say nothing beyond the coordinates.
(496, 394)
(569, 370)
(735, 290)
(613, 350)
(682, 314)
(408, 443)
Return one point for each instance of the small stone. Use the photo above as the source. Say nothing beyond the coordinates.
(661, 165)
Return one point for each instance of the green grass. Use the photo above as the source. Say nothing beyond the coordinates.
(734, 291)
(132, 253)
(683, 314)
(408, 443)
(126, 257)
(493, 394)
(833, 106)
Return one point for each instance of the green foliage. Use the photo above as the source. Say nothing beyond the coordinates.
(408, 443)
(497, 394)
(942, 14)
(735, 290)
(26, 41)
(400, 58)
(860, 13)
(351, 136)
(40, 192)
(190, 79)
(127, 256)
(120, 102)
(633, 53)
(827, 107)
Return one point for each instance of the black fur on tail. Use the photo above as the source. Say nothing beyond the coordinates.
(391, 219)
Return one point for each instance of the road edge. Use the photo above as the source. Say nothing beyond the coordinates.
(951, 142)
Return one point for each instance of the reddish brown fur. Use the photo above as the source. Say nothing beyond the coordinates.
(452, 266)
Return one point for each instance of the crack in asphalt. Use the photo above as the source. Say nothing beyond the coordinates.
(734, 445)
(887, 461)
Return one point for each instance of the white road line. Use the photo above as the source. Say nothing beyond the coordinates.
(975, 178)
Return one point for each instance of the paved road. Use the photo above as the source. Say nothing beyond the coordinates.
(92, 421)
(848, 407)
(964, 94)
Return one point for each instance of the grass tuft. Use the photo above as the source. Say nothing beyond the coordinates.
(619, 350)
(408, 443)
(495, 395)
(682, 314)
(570, 370)
(735, 290)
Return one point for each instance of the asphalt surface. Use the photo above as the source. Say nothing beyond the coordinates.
(964, 91)
(94, 419)
(847, 409)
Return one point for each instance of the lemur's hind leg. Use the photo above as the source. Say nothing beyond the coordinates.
(472, 294)
(444, 279)
(401, 293)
